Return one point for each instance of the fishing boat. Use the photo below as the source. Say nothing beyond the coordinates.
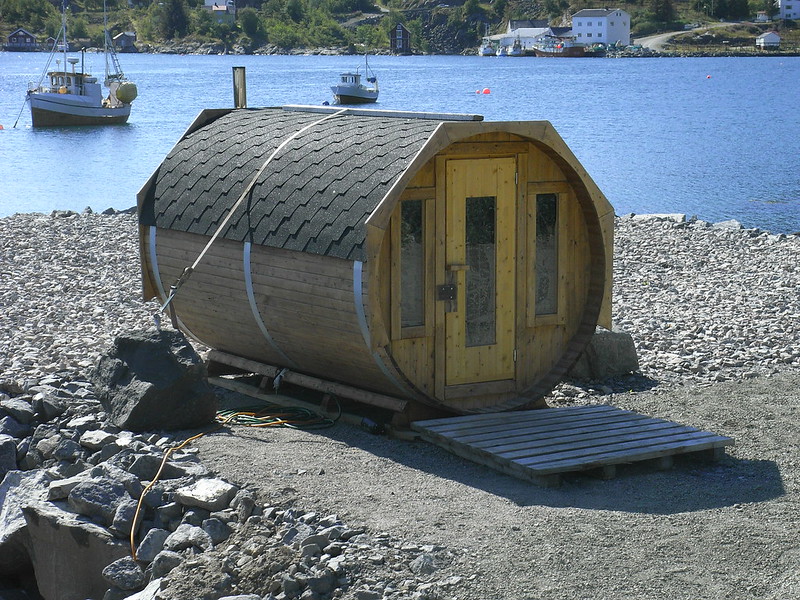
(486, 49)
(350, 90)
(560, 47)
(74, 97)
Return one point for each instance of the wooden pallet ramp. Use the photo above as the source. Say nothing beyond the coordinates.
(540, 445)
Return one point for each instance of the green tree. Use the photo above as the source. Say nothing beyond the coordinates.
(250, 23)
(295, 10)
(32, 14)
(662, 10)
(176, 19)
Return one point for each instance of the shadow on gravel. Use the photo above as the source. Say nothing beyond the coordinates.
(692, 484)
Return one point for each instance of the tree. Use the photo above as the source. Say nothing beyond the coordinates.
(295, 10)
(662, 10)
(176, 21)
(250, 23)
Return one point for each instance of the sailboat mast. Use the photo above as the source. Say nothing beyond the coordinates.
(105, 38)
(64, 31)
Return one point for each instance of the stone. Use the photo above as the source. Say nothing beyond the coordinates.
(123, 518)
(210, 494)
(8, 454)
(609, 354)
(60, 488)
(125, 574)
(96, 439)
(68, 450)
(217, 530)
(164, 562)
(68, 554)
(243, 503)
(10, 426)
(21, 410)
(154, 380)
(97, 498)
(18, 489)
(188, 536)
(422, 565)
(150, 592)
(151, 544)
(109, 471)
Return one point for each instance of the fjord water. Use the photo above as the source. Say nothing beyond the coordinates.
(714, 137)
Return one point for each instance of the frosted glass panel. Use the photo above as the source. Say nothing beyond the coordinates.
(412, 269)
(481, 256)
(546, 254)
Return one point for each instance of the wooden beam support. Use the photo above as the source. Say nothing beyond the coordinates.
(307, 381)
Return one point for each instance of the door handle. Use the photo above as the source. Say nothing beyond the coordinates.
(457, 267)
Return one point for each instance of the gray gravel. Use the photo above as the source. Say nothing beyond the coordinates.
(715, 315)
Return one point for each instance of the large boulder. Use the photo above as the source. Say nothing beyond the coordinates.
(18, 489)
(154, 380)
(609, 354)
(69, 554)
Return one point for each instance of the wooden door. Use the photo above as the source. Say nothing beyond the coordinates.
(479, 262)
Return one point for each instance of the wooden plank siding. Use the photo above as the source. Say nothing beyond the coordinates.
(306, 302)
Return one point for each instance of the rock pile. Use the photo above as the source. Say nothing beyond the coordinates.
(77, 489)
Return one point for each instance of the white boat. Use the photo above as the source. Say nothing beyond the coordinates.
(75, 97)
(350, 90)
(486, 49)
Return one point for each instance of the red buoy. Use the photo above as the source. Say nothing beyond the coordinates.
(486, 91)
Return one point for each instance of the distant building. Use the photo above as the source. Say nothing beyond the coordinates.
(221, 10)
(601, 25)
(527, 24)
(21, 40)
(789, 9)
(400, 42)
(125, 41)
(762, 17)
(768, 41)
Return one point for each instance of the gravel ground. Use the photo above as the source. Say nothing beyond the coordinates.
(715, 315)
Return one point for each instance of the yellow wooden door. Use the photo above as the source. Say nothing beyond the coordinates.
(479, 262)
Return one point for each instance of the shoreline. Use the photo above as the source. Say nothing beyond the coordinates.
(714, 312)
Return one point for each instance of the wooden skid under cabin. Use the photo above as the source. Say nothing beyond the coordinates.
(541, 445)
(440, 259)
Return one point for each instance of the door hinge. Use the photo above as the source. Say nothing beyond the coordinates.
(516, 178)
(515, 355)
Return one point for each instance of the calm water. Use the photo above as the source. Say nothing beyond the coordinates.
(716, 138)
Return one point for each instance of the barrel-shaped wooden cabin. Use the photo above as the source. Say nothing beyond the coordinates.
(440, 259)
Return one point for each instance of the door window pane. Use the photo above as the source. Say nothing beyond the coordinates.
(480, 254)
(546, 254)
(412, 269)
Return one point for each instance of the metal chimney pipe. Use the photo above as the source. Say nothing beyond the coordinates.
(239, 88)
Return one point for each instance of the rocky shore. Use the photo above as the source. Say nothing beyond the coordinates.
(710, 306)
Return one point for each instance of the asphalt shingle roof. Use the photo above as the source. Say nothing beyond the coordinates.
(314, 196)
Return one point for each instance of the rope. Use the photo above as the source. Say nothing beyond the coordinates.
(251, 416)
(187, 272)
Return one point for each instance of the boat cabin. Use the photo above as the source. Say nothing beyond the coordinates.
(441, 259)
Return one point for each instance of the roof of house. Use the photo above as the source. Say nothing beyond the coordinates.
(596, 12)
(21, 30)
(316, 193)
(769, 34)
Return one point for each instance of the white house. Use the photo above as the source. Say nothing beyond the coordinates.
(601, 25)
(222, 10)
(789, 9)
(768, 41)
